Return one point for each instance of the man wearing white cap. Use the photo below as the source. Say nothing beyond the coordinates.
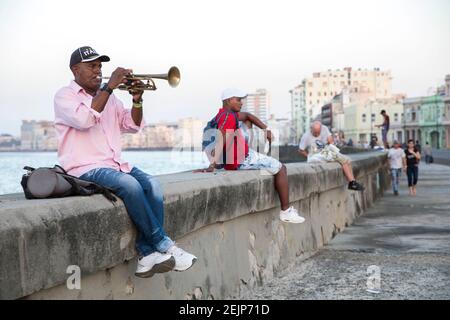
(232, 149)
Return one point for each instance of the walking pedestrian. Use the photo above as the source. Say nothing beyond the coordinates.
(397, 161)
(412, 166)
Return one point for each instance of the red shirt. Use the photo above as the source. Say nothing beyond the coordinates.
(238, 152)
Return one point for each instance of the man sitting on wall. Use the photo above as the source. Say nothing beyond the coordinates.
(317, 145)
(232, 149)
(89, 121)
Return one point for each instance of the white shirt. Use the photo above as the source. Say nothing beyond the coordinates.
(315, 144)
(396, 157)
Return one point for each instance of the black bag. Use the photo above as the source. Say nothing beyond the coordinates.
(431, 159)
(56, 183)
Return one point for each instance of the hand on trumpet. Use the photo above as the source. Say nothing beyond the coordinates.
(136, 90)
(118, 77)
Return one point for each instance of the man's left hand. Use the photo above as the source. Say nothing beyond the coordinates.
(136, 93)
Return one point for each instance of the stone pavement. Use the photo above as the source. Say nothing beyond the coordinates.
(406, 238)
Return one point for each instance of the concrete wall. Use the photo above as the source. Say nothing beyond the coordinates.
(228, 219)
(289, 154)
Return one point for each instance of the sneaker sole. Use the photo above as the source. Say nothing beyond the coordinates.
(290, 221)
(162, 267)
(356, 189)
(193, 261)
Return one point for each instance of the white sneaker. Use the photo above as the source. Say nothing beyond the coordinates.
(183, 260)
(291, 215)
(155, 262)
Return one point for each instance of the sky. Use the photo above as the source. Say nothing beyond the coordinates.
(215, 44)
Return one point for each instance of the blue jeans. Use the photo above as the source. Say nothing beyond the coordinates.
(395, 174)
(413, 175)
(143, 198)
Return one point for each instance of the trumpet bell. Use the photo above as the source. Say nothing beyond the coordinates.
(173, 77)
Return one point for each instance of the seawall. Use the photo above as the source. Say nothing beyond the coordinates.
(229, 220)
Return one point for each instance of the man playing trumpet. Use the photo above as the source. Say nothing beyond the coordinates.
(89, 120)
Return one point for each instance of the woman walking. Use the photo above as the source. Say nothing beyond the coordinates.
(412, 166)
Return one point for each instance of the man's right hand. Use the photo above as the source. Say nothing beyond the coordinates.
(269, 135)
(118, 77)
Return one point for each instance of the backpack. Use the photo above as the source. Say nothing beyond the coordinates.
(56, 183)
(209, 134)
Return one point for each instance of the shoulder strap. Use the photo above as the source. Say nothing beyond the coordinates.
(85, 187)
(217, 117)
(60, 168)
(237, 119)
(223, 124)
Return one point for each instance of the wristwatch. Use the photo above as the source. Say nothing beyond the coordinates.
(106, 88)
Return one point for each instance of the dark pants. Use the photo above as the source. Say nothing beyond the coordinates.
(384, 134)
(413, 175)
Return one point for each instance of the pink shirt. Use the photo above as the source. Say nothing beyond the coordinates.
(88, 139)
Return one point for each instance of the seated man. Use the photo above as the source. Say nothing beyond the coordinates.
(319, 141)
(89, 122)
(232, 146)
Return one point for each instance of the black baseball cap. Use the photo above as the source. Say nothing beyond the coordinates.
(86, 54)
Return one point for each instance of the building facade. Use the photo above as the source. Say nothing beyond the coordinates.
(411, 121)
(281, 130)
(431, 121)
(9, 143)
(300, 121)
(427, 119)
(361, 120)
(320, 89)
(160, 135)
(189, 134)
(258, 103)
(38, 136)
(185, 134)
(446, 114)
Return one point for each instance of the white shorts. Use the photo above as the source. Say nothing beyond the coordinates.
(329, 155)
(259, 161)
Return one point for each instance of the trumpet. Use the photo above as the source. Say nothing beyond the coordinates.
(172, 76)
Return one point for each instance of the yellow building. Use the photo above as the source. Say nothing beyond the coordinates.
(360, 120)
